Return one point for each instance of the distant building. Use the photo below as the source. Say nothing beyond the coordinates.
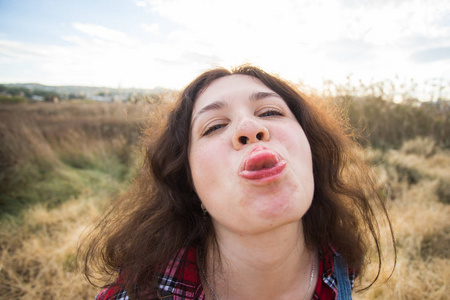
(37, 98)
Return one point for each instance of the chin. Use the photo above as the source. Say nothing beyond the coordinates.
(275, 216)
(282, 204)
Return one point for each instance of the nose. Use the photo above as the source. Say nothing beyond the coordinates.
(249, 131)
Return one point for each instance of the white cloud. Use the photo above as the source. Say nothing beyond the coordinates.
(93, 61)
(301, 40)
(153, 28)
(19, 51)
(310, 39)
(141, 3)
(104, 33)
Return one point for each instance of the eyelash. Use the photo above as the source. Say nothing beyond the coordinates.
(273, 112)
(213, 128)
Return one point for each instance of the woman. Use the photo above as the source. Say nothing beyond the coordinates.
(251, 191)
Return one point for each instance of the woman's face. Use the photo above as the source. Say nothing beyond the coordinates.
(249, 157)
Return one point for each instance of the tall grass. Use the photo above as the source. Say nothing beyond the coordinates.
(417, 179)
(50, 152)
(60, 164)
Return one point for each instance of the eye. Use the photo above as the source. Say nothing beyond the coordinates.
(213, 128)
(271, 112)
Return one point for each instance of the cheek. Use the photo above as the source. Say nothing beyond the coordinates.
(296, 142)
(197, 166)
(300, 152)
(206, 163)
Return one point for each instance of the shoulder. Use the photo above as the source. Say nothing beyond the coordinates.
(181, 277)
(112, 292)
(179, 280)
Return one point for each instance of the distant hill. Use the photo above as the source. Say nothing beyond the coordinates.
(37, 91)
(83, 89)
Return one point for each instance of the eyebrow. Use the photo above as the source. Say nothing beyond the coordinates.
(261, 95)
(217, 105)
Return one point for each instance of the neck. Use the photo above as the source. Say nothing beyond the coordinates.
(270, 265)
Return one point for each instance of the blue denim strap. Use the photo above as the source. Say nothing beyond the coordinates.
(344, 289)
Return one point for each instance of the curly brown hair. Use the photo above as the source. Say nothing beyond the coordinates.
(161, 214)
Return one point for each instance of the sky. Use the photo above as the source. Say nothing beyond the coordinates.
(167, 43)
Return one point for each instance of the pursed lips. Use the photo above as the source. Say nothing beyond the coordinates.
(261, 164)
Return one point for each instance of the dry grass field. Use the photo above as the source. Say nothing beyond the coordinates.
(62, 163)
(417, 180)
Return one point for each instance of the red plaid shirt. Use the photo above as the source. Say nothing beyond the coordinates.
(181, 279)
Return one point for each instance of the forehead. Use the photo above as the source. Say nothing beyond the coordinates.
(229, 88)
